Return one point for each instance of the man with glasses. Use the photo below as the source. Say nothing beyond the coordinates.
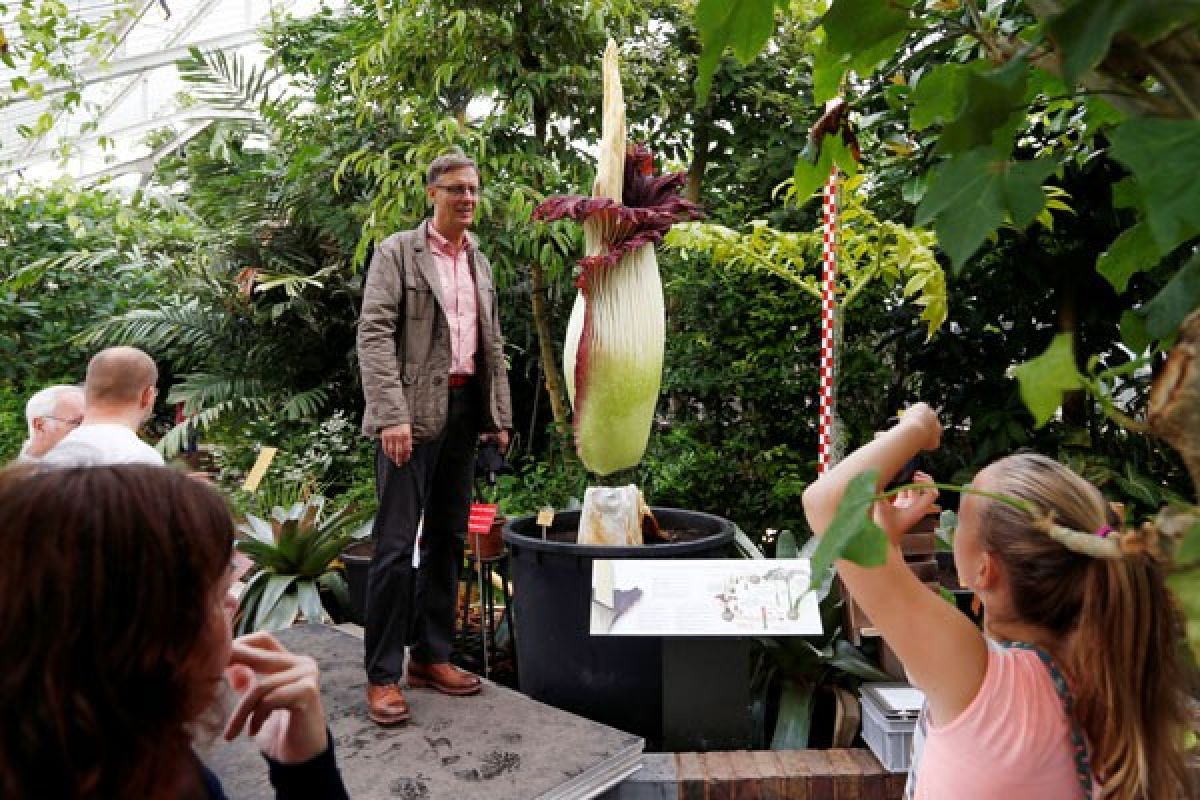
(51, 414)
(432, 359)
(119, 397)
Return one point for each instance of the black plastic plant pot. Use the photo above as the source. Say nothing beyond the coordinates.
(357, 558)
(615, 680)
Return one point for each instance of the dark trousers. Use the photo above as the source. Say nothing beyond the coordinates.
(407, 606)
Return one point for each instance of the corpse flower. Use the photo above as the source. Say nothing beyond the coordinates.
(614, 349)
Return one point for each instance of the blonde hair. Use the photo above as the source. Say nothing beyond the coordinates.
(1119, 627)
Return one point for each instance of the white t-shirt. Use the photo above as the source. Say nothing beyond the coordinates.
(102, 443)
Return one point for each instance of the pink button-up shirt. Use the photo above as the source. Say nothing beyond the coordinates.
(458, 297)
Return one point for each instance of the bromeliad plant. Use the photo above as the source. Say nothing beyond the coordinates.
(614, 349)
(293, 550)
(800, 668)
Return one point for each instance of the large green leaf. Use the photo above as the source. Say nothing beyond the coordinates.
(821, 584)
(1044, 380)
(1133, 331)
(939, 95)
(276, 588)
(794, 722)
(336, 584)
(1176, 300)
(851, 533)
(994, 107)
(861, 33)
(1021, 187)
(969, 195)
(1084, 31)
(1162, 154)
(850, 659)
(1132, 252)
(249, 600)
(310, 601)
(744, 25)
(282, 615)
(319, 558)
(964, 203)
(264, 555)
(257, 527)
(809, 177)
(750, 26)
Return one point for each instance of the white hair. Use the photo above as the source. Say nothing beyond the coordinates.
(43, 402)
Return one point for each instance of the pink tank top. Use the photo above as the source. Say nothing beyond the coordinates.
(1011, 743)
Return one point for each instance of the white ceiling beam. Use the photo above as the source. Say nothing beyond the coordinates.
(187, 27)
(190, 115)
(145, 165)
(134, 64)
(119, 29)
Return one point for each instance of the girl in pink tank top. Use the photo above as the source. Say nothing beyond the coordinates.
(1081, 693)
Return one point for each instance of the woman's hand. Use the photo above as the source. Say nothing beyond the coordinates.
(279, 699)
(905, 509)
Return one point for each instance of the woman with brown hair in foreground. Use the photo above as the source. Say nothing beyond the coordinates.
(116, 635)
(1077, 691)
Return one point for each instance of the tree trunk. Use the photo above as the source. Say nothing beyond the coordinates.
(701, 142)
(541, 313)
(1074, 407)
(553, 379)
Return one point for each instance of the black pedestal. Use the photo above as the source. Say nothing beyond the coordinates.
(706, 694)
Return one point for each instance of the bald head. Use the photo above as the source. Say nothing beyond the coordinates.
(119, 377)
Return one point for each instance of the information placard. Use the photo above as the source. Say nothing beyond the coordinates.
(703, 597)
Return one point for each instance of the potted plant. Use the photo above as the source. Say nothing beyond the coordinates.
(293, 550)
(804, 685)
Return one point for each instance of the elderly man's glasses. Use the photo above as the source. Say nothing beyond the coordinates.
(73, 421)
(460, 189)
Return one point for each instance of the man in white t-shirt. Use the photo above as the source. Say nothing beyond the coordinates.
(52, 413)
(119, 397)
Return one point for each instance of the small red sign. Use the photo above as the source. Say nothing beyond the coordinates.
(481, 517)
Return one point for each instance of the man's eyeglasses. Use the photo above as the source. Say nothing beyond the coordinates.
(73, 421)
(460, 189)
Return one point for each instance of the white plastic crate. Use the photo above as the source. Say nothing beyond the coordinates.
(890, 712)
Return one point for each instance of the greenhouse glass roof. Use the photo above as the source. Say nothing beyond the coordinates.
(128, 90)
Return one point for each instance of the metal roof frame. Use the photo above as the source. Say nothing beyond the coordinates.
(130, 91)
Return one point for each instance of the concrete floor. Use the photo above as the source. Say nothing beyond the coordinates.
(493, 746)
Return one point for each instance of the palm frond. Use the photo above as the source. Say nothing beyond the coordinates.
(226, 81)
(171, 204)
(291, 284)
(174, 440)
(188, 330)
(307, 403)
(203, 390)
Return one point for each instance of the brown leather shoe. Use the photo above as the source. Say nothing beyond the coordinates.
(386, 704)
(445, 677)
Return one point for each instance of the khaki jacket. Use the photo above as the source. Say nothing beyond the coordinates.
(404, 341)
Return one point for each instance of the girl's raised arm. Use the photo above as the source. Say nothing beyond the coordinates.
(942, 651)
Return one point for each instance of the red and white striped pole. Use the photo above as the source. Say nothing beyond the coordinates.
(829, 223)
